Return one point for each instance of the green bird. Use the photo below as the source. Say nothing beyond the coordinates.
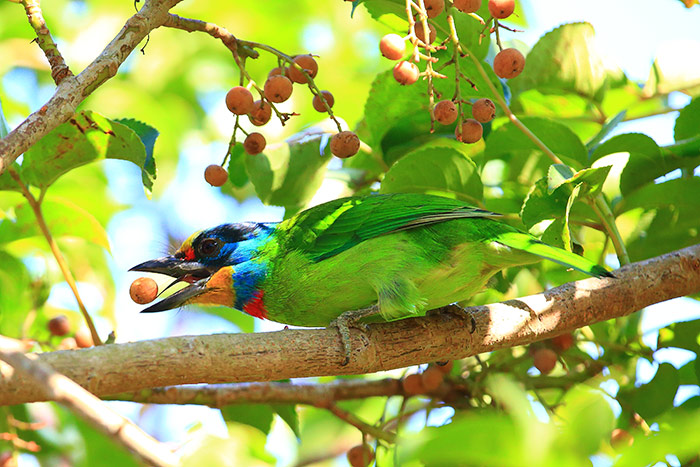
(353, 260)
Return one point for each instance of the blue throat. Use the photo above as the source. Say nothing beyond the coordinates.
(247, 278)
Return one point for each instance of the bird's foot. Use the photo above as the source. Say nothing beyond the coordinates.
(351, 319)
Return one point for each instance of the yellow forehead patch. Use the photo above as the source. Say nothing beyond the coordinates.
(187, 244)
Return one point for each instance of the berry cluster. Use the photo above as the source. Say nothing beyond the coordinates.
(278, 88)
(60, 326)
(508, 63)
(426, 382)
(545, 358)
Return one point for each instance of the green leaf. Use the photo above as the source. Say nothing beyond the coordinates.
(439, 167)
(15, 300)
(566, 60)
(63, 218)
(256, 415)
(646, 161)
(148, 136)
(560, 175)
(288, 413)
(237, 166)
(656, 397)
(550, 197)
(557, 137)
(86, 137)
(4, 128)
(397, 115)
(672, 71)
(687, 122)
(629, 143)
(244, 446)
(609, 126)
(682, 335)
(288, 174)
(588, 421)
(8, 183)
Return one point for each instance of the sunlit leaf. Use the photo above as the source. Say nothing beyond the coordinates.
(438, 168)
(288, 174)
(63, 219)
(86, 137)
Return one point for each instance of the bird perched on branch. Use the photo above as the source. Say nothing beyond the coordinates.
(353, 260)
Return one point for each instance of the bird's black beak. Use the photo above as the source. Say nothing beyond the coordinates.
(181, 269)
(193, 272)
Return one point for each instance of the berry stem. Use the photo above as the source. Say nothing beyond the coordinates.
(496, 27)
(62, 264)
(353, 420)
(282, 57)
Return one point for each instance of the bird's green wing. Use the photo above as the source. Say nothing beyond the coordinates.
(333, 227)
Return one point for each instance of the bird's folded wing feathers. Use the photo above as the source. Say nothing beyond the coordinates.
(334, 227)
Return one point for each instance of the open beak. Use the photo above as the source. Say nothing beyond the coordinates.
(195, 273)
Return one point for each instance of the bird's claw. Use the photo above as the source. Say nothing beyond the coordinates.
(351, 319)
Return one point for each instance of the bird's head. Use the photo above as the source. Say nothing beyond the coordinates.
(206, 261)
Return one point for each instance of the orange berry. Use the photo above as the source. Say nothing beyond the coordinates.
(563, 342)
(470, 132)
(276, 71)
(59, 326)
(254, 143)
(361, 455)
(307, 63)
(545, 360)
(620, 438)
(500, 9)
(392, 46)
(413, 385)
(278, 88)
(420, 32)
(406, 73)
(83, 338)
(344, 144)
(467, 6)
(483, 110)
(215, 175)
(239, 100)
(446, 368)
(143, 290)
(433, 7)
(318, 103)
(508, 63)
(261, 114)
(432, 378)
(445, 112)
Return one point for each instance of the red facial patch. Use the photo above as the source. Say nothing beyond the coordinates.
(189, 254)
(255, 307)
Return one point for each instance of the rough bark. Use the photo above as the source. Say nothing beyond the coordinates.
(220, 358)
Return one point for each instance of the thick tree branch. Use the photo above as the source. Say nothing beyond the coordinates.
(72, 90)
(220, 358)
(59, 388)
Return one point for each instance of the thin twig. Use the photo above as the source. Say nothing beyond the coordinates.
(60, 259)
(59, 68)
(354, 420)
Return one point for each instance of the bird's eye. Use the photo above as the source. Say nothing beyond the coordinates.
(209, 247)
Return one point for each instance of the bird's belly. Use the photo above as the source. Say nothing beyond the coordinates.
(401, 274)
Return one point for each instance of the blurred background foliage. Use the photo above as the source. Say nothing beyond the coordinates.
(625, 392)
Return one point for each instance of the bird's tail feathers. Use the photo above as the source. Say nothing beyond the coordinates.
(531, 245)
